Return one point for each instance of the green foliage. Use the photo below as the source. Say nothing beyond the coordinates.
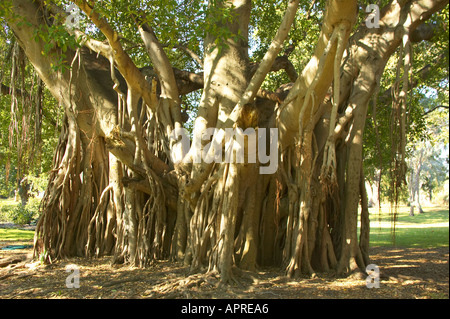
(425, 122)
(38, 183)
(27, 142)
(6, 206)
(21, 215)
(18, 214)
(33, 206)
(57, 41)
(266, 17)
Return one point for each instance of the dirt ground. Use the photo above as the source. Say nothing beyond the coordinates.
(405, 273)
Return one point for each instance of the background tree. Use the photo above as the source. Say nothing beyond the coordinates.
(127, 73)
(428, 167)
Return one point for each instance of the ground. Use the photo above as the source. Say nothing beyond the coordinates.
(405, 273)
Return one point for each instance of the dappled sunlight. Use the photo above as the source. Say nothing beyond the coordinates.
(403, 266)
(404, 273)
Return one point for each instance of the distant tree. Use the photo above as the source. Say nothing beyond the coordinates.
(426, 98)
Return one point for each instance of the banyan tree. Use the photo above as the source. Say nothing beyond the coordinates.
(263, 177)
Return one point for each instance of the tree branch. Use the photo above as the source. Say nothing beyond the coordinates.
(188, 81)
(134, 78)
(94, 45)
(268, 59)
(160, 61)
(169, 97)
(280, 63)
(424, 32)
(435, 108)
(192, 54)
(288, 115)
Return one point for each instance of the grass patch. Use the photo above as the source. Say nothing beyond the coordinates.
(430, 229)
(11, 234)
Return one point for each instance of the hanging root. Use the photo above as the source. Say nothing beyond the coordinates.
(73, 192)
(53, 222)
(328, 176)
(304, 208)
(98, 226)
(297, 254)
(211, 242)
(311, 88)
(202, 224)
(152, 225)
(398, 127)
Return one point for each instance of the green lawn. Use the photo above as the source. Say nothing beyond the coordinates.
(16, 235)
(429, 229)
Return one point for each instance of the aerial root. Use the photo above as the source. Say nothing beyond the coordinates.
(328, 176)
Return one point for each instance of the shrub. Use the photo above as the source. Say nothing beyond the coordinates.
(5, 211)
(33, 205)
(21, 215)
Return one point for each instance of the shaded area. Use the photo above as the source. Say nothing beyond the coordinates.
(14, 247)
(406, 273)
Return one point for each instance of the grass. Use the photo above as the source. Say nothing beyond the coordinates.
(16, 234)
(430, 229)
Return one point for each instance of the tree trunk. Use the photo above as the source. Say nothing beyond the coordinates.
(23, 189)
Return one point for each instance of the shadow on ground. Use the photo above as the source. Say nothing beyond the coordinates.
(406, 273)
